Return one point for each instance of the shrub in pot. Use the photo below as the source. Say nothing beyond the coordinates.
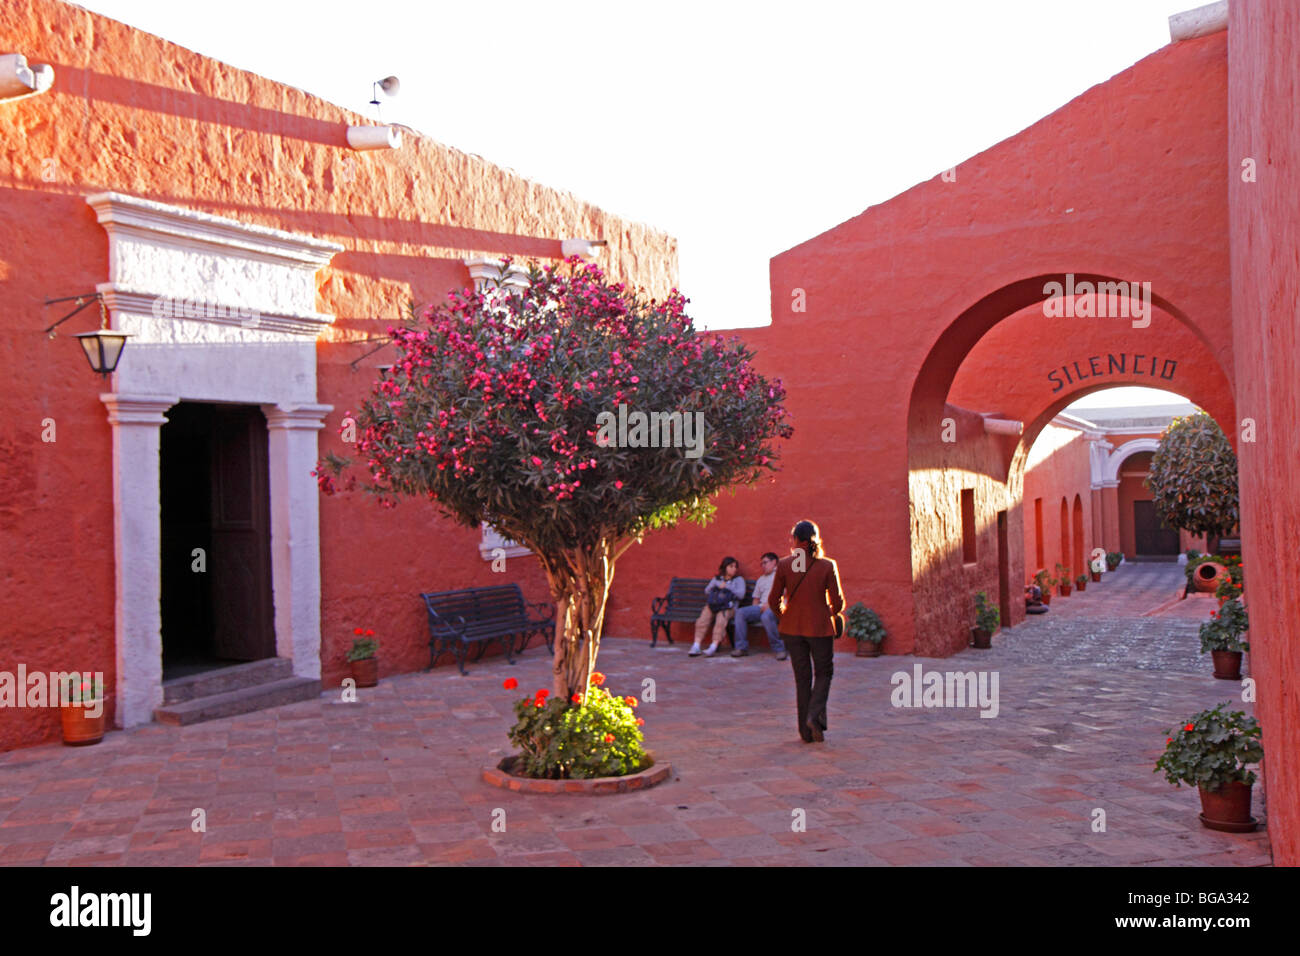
(81, 710)
(864, 626)
(1082, 582)
(1113, 559)
(363, 658)
(987, 618)
(1063, 579)
(1221, 638)
(1211, 751)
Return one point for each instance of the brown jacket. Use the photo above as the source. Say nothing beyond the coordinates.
(808, 613)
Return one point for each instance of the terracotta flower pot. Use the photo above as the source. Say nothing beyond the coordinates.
(1065, 590)
(1227, 664)
(1047, 597)
(983, 639)
(867, 649)
(1207, 576)
(366, 672)
(80, 729)
(1228, 808)
(1082, 586)
(1096, 576)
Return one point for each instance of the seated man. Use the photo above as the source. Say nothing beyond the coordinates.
(759, 611)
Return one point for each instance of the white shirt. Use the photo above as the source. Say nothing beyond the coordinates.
(762, 586)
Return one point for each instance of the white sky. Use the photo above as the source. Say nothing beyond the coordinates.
(741, 128)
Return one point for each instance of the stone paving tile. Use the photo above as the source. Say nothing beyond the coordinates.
(1086, 694)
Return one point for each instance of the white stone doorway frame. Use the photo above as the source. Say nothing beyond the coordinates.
(219, 311)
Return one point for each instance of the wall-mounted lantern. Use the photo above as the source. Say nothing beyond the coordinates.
(103, 349)
(104, 346)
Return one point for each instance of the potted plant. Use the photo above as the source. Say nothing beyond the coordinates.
(81, 710)
(1113, 560)
(864, 626)
(1063, 579)
(1211, 752)
(1081, 581)
(1221, 636)
(363, 658)
(987, 618)
(1045, 584)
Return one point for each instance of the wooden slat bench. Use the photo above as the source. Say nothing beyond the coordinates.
(683, 604)
(458, 619)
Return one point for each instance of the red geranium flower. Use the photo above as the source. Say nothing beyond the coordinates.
(543, 694)
(510, 683)
(640, 722)
(576, 698)
(597, 678)
(1190, 727)
(631, 701)
(609, 738)
(1168, 741)
(357, 631)
(369, 633)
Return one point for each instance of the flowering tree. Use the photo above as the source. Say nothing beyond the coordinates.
(501, 408)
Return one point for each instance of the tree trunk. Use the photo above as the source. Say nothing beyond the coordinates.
(580, 582)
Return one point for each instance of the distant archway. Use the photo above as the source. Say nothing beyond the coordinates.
(1110, 469)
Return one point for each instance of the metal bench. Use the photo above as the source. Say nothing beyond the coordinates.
(458, 619)
(683, 604)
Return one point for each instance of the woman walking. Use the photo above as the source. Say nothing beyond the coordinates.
(810, 583)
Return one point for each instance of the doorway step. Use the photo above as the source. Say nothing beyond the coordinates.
(240, 689)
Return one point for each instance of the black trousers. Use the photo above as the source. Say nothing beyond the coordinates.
(813, 660)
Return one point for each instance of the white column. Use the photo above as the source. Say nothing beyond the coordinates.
(137, 551)
(295, 532)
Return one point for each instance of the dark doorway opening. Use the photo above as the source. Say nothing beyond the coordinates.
(1151, 538)
(216, 538)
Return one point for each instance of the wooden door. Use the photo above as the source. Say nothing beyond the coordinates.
(243, 625)
(1150, 536)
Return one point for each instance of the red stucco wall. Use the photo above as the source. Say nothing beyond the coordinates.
(133, 113)
(1264, 125)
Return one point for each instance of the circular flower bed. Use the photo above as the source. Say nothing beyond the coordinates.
(503, 776)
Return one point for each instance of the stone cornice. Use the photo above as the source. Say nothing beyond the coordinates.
(144, 218)
(139, 302)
